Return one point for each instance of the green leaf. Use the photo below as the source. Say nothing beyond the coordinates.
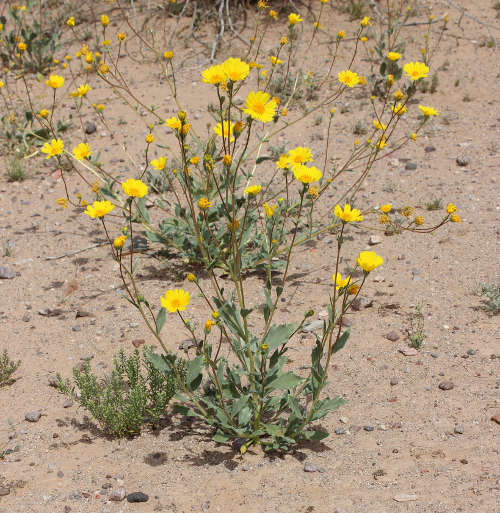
(244, 416)
(279, 335)
(193, 374)
(143, 211)
(220, 437)
(262, 159)
(341, 341)
(239, 404)
(325, 406)
(314, 435)
(159, 361)
(286, 381)
(160, 320)
(273, 430)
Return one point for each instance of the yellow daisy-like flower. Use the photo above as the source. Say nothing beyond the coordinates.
(173, 123)
(70, 21)
(283, 40)
(341, 34)
(260, 106)
(62, 201)
(393, 56)
(386, 208)
(269, 210)
(299, 155)
(399, 109)
(82, 151)
(348, 214)
(416, 70)
(175, 300)
(235, 69)
(451, 208)
(274, 60)
(104, 20)
(348, 78)
(121, 36)
(44, 113)
(208, 325)
(419, 220)
(381, 143)
(22, 46)
(253, 190)
(339, 282)
(398, 95)
(455, 218)
(378, 125)
(413, 136)
(119, 241)
(294, 18)
(283, 162)
(168, 55)
(369, 260)
(106, 42)
(55, 81)
(99, 209)
(226, 129)
(365, 21)
(53, 148)
(134, 188)
(214, 75)
(150, 138)
(306, 174)
(159, 163)
(273, 14)
(81, 91)
(204, 203)
(428, 111)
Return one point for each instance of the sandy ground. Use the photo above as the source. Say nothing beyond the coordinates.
(399, 436)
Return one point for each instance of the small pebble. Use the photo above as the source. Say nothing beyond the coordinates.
(410, 166)
(459, 430)
(463, 161)
(429, 149)
(375, 239)
(311, 467)
(137, 497)
(408, 351)
(394, 381)
(76, 328)
(6, 273)
(340, 431)
(434, 355)
(90, 128)
(393, 336)
(118, 494)
(368, 428)
(32, 416)
(446, 385)
(68, 403)
(26, 318)
(4, 491)
(471, 352)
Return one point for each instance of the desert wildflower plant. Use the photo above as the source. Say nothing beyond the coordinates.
(224, 205)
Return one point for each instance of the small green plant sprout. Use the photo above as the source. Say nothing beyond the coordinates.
(134, 394)
(435, 204)
(15, 169)
(7, 369)
(491, 297)
(416, 331)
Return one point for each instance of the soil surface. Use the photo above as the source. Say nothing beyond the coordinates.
(401, 443)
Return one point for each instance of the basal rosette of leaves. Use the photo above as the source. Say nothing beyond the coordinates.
(226, 203)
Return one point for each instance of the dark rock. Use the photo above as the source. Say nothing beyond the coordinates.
(68, 403)
(67, 509)
(471, 352)
(6, 273)
(411, 166)
(76, 328)
(137, 497)
(90, 128)
(4, 491)
(82, 313)
(60, 474)
(429, 149)
(368, 428)
(32, 416)
(463, 161)
(393, 336)
(446, 385)
(26, 318)
(434, 355)
(360, 303)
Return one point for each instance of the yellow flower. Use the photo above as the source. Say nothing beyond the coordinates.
(159, 163)
(95, 187)
(260, 106)
(55, 81)
(235, 69)
(399, 109)
(348, 215)
(349, 78)
(150, 138)
(393, 56)
(299, 155)
(253, 190)
(204, 203)
(381, 143)
(103, 68)
(99, 209)
(82, 151)
(340, 34)
(99, 107)
(22, 46)
(273, 14)
(269, 210)
(175, 300)
(227, 160)
(383, 219)
(274, 60)
(70, 21)
(62, 201)
(306, 174)
(168, 55)
(121, 36)
(89, 57)
(415, 70)
(364, 39)
(81, 91)
(191, 277)
(226, 129)
(214, 75)
(44, 113)
(455, 218)
(451, 208)
(119, 241)
(378, 125)
(283, 40)
(173, 123)
(283, 162)
(365, 21)
(390, 79)
(284, 112)
(134, 188)
(208, 325)
(104, 20)
(353, 289)
(294, 18)
(369, 260)
(413, 136)
(313, 191)
(194, 160)
(324, 1)
(428, 111)
(407, 211)
(398, 95)
(317, 25)
(106, 42)
(386, 208)
(215, 314)
(339, 282)
(419, 220)
(53, 148)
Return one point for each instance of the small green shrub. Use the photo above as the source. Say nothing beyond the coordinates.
(492, 296)
(15, 170)
(416, 330)
(7, 368)
(133, 394)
